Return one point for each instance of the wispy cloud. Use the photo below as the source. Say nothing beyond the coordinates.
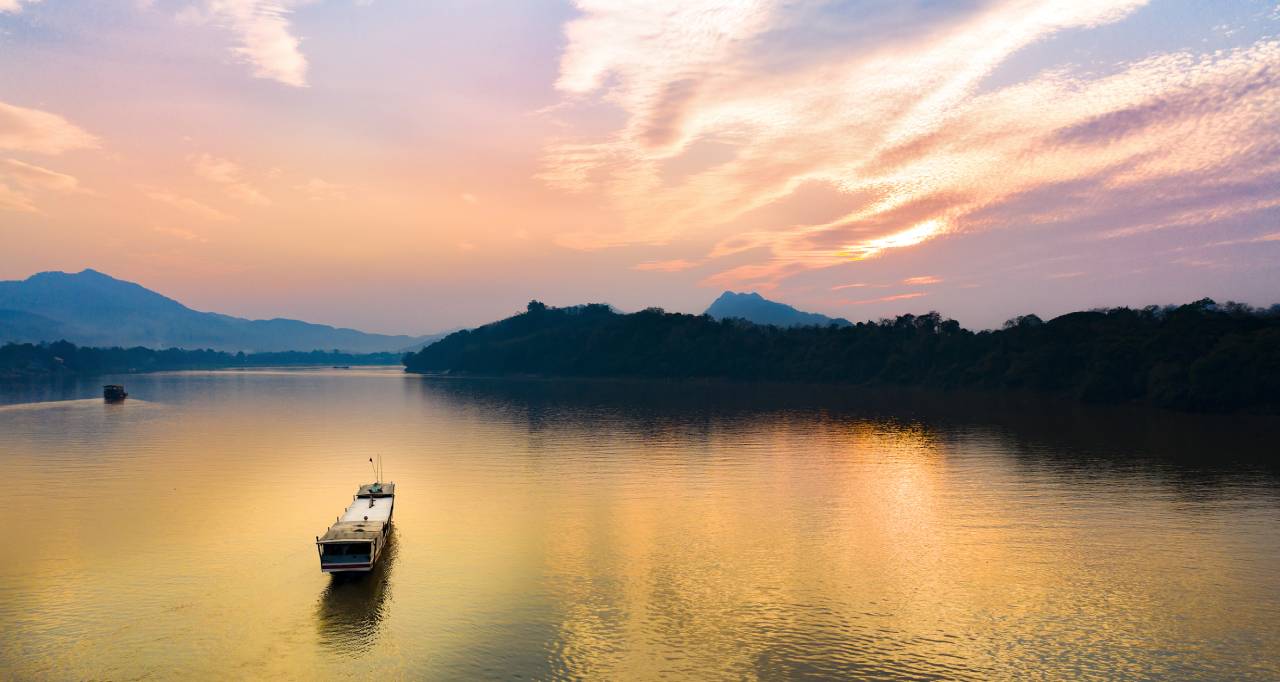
(188, 205)
(40, 132)
(14, 6)
(34, 176)
(675, 265)
(264, 36)
(885, 299)
(922, 280)
(317, 189)
(231, 177)
(1260, 239)
(180, 233)
(22, 180)
(906, 125)
(916, 234)
(15, 200)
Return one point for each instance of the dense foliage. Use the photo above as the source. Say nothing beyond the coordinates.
(18, 359)
(1200, 356)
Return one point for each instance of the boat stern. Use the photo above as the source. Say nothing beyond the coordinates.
(341, 556)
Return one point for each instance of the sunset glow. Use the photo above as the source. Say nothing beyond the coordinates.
(311, 157)
(687, 339)
(897, 240)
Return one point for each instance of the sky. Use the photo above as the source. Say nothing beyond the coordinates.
(409, 167)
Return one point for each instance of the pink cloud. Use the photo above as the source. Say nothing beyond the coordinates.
(40, 132)
(904, 125)
(885, 299)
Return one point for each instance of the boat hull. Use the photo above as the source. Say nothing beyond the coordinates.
(345, 568)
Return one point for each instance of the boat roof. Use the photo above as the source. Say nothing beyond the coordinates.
(353, 531)
(369, 509)
(376, 490)
(362, 520)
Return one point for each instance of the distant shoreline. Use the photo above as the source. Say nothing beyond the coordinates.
(62, 358)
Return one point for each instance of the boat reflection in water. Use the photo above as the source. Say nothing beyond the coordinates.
(352, 607)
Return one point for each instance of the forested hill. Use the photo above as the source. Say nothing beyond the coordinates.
(1202, 356)
(62, 357)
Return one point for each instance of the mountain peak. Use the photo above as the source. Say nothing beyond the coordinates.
(87, 274)
(755, 308)
(734, 295)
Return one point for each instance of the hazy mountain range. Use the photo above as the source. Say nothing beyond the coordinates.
(92, 309)
(755, 308)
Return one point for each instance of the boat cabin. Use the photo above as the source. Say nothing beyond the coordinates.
(114, 393)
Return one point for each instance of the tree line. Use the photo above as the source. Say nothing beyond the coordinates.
(63, 357)
(1202, 356)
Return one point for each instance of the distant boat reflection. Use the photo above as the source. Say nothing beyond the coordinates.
(353, 606)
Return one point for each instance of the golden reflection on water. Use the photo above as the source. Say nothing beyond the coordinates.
(351, 608)
(568, 531)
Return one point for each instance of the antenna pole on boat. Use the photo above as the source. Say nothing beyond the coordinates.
(375, 470)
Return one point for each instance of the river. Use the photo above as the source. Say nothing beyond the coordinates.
(629, 530)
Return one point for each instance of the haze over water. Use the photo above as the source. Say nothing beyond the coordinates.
(629, 530)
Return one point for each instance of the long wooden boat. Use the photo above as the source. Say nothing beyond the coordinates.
(356, 540)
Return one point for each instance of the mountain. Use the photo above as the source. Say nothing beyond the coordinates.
(20, 325)
(755, 308)
(92, 309)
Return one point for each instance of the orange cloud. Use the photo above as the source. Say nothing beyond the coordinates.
(27, 178)
(32, 175)
(188, 205)
(229, 175)
(14, 6)
(896, 240)
(909, 127)
(40, 132)
(14, 200)
(317, 189)
(676, 265)
(885, 299)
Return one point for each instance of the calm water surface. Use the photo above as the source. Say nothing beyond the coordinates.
(629, 531)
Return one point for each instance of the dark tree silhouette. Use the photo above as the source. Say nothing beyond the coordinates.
(1202, 356)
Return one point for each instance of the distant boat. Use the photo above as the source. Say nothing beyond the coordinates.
(356, 540)
(114, 393)
(342, 366)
